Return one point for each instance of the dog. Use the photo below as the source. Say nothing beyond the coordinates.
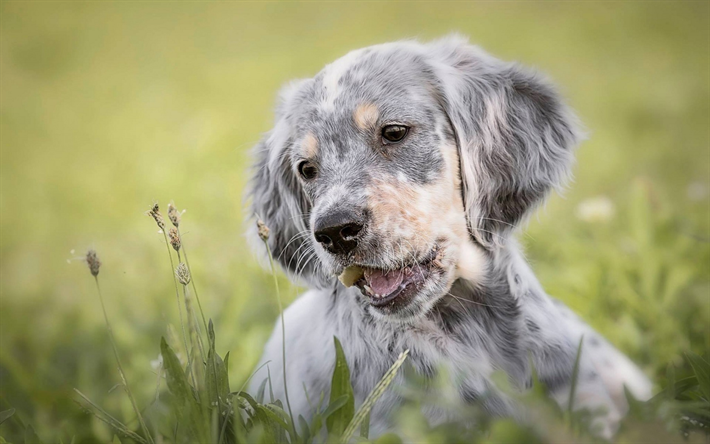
(404, 169)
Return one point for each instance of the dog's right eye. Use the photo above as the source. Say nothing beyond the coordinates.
(394, 133)
(307, 170)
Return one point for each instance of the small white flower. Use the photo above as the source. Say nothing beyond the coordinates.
(596, 209)
(157, 364)
(697, 191)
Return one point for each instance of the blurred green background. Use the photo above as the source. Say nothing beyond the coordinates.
(109, 107)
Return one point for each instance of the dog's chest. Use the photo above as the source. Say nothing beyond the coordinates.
(438, 362)
(433, 351)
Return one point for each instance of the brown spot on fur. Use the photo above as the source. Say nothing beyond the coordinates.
(409, 218)
(310, 146)
(366, 115)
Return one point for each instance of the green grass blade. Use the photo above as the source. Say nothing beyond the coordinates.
(216, 378)
(187, 406)
(335, 405)
(31, 437)
(6, 414)
(108, 419)
(575, 374)
(701, 368)
(340, 386)
(365, 427)
(363, 412)
(176, 379)
(305, 430)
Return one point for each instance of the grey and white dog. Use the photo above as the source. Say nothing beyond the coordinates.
(404, 168)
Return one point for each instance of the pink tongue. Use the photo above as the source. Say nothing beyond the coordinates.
(383, 283)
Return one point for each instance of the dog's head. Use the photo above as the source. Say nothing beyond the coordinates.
(403, 167)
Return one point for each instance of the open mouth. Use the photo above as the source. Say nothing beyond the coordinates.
(391, 288)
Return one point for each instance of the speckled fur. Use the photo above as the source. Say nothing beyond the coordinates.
(488, 141)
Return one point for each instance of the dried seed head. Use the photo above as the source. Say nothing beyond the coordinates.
(92, 260)
(183, 274)
(154, 212)
(263, 230)
(173, 214)
(174, 238)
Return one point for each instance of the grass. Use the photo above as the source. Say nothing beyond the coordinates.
(198, 404)
(106, 106)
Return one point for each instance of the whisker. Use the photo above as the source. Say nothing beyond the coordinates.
(472, 302)
(295, 253)
(299, 235)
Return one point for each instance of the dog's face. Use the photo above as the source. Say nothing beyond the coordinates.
(402, 167)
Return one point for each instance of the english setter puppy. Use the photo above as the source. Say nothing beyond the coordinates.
(404, 169)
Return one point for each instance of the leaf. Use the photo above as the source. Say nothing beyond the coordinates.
(268, 422)
(575, 374)
(388, 438)
(702, 372)
(305, 430)
(116, 440)
(340, 386)
(278, 409)
(6, 414)
(670, 382)
(176, 379)
(248, 398)
(187, 406)
(334, 406)
(273, 416)
(31, 437)
(260, 391)
(680, 387)
(216, 379)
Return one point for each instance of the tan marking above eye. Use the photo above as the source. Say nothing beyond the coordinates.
(310, 146)
(366, 115)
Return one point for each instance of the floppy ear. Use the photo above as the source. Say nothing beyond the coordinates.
(515, 136)
(277, 197)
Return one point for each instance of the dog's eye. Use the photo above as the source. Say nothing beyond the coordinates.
(394, 133)
(307, 170)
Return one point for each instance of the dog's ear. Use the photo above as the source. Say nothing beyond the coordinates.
(515, 136)
(277, 197)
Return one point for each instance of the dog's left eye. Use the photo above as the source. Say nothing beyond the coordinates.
(394, 133)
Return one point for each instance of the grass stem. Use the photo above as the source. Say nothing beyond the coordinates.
(283, 334)
(120, 367)
(194, 287)
(177, 295)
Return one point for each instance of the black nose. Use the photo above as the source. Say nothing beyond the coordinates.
(338, 232)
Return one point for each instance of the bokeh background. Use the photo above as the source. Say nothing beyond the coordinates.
(106, 108)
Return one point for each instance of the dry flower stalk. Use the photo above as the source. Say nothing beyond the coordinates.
(92, 260)
(174, 237)
(263, 230)
(154, 212)
(182, 273)
(173, 215)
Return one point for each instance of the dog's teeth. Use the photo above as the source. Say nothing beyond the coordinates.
(368, 290)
